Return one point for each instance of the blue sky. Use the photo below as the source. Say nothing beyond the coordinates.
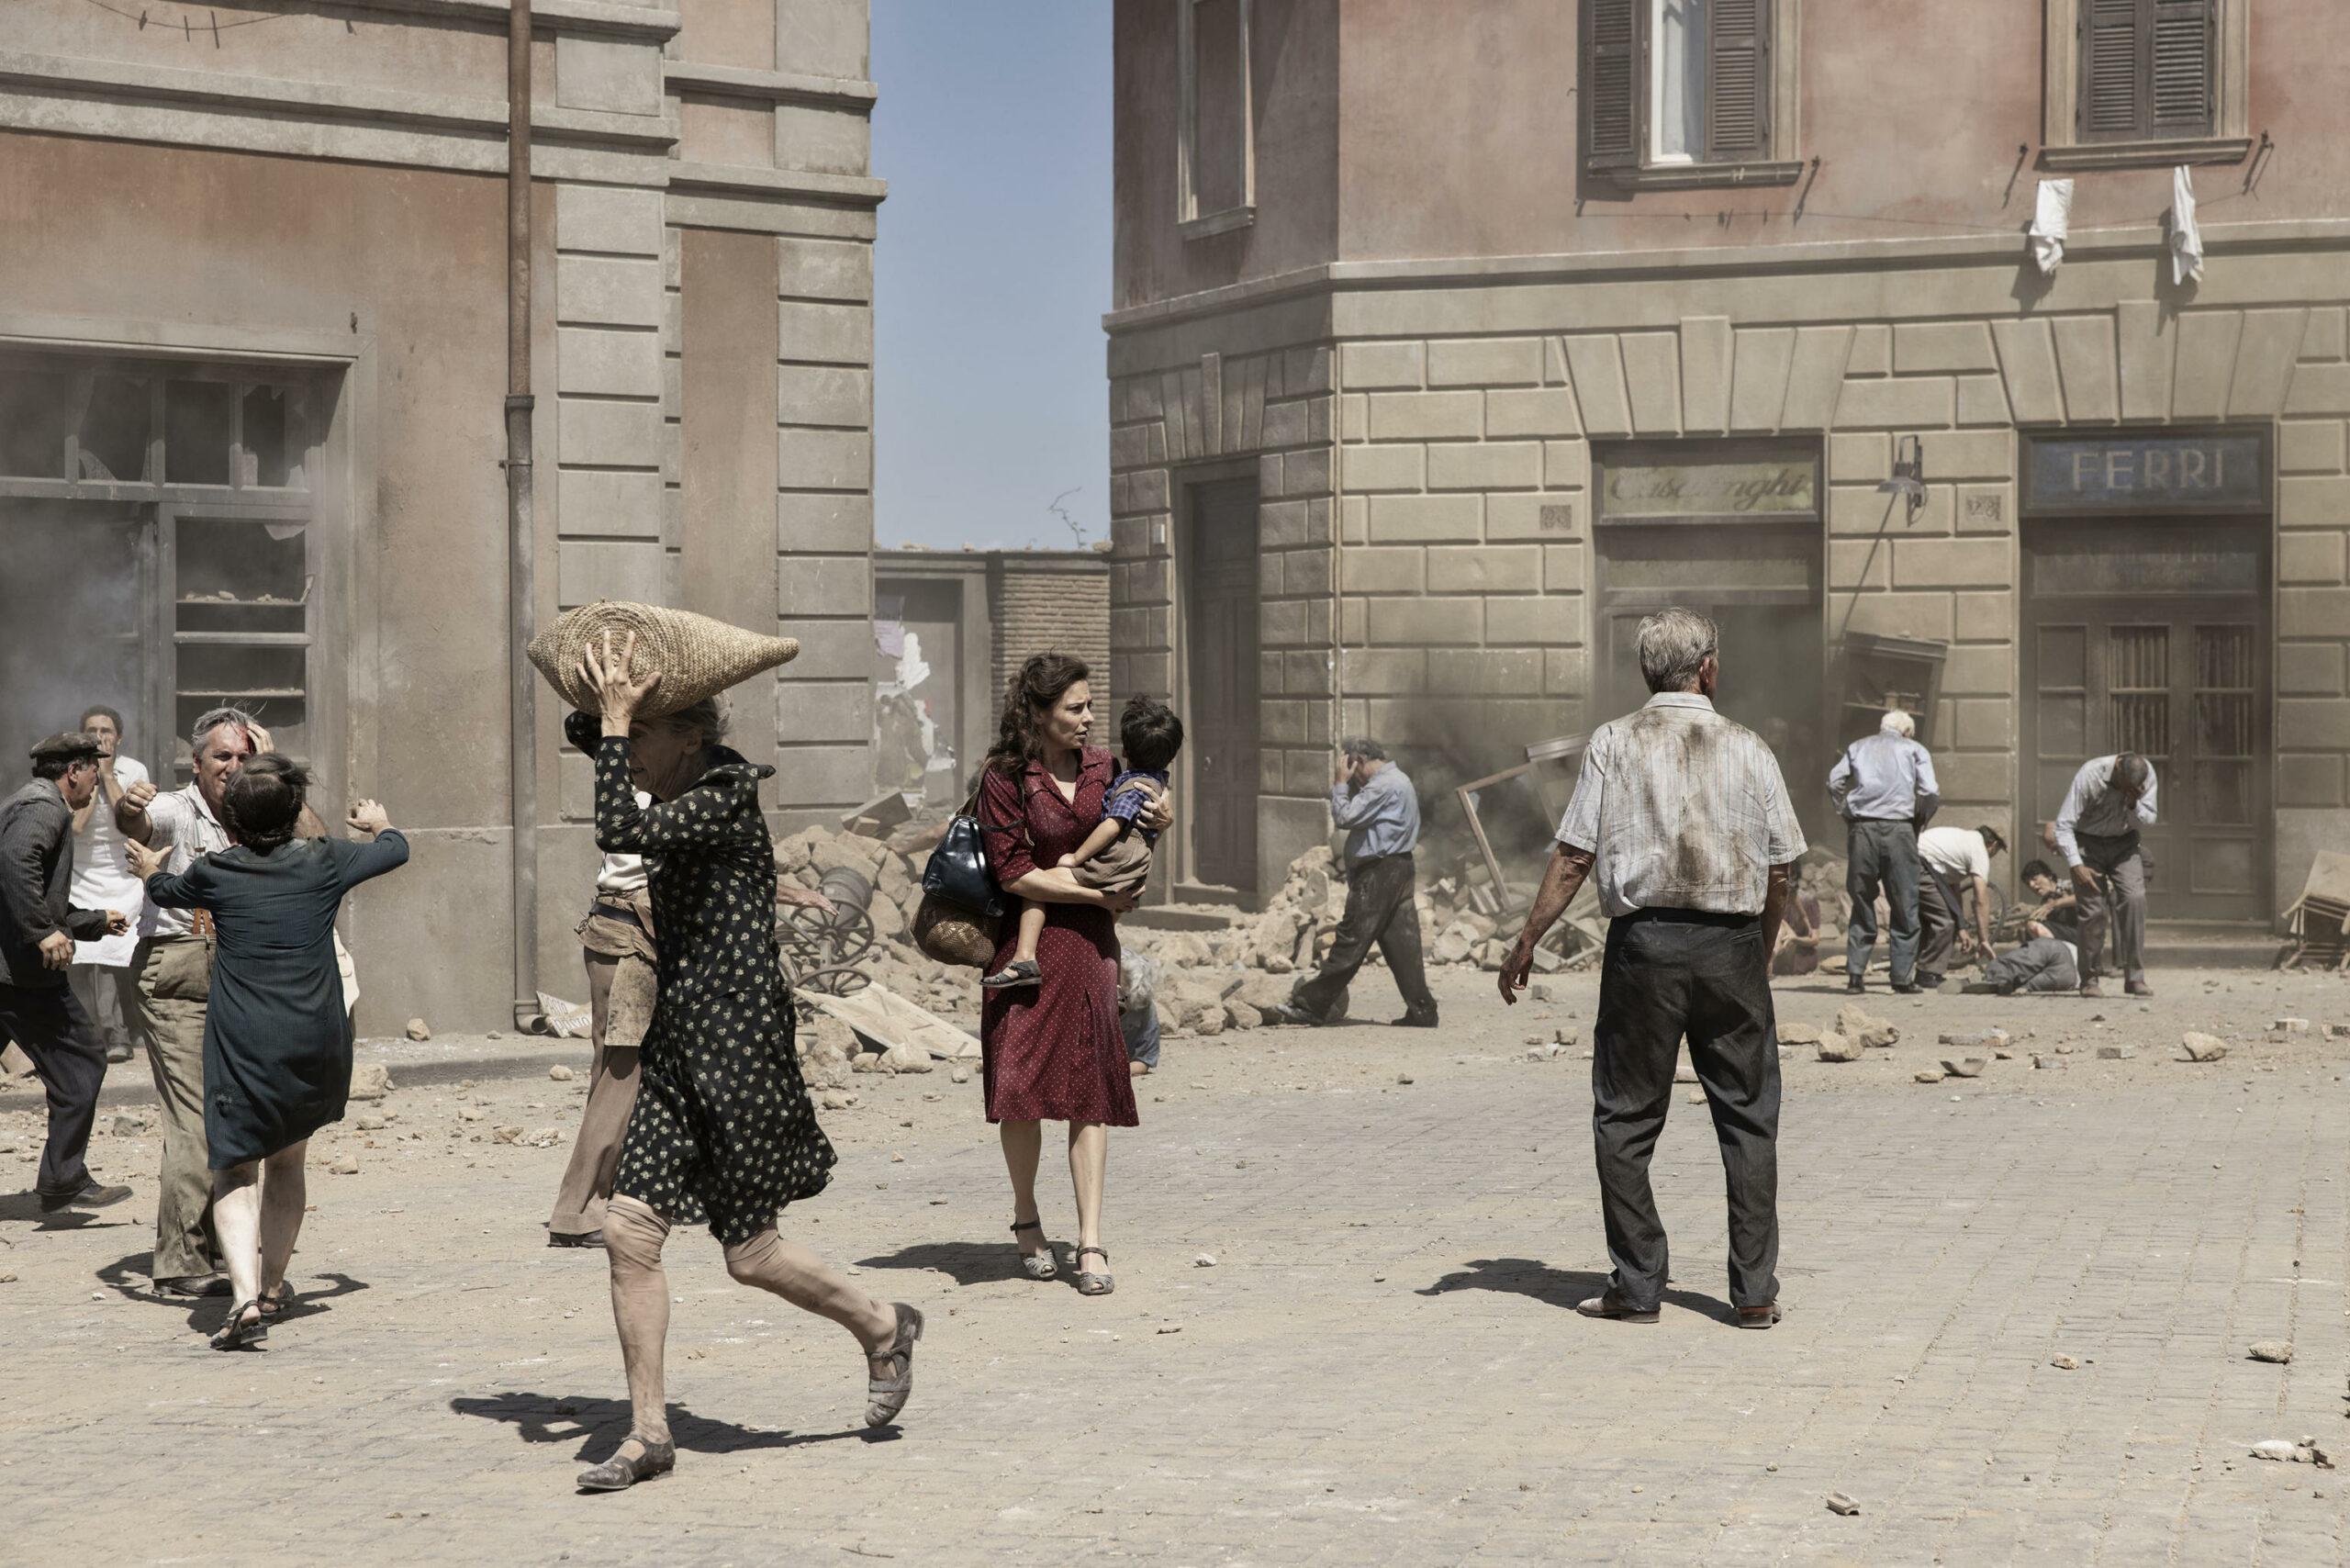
(992, 270)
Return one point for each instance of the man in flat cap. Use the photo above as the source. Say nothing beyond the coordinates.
(38, 930)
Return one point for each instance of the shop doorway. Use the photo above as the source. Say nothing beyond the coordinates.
(1220, 638)
(2153, 637)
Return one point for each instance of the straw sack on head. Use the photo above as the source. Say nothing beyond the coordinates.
(697, 657)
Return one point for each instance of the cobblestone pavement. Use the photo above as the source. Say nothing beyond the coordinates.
(1380, 1366)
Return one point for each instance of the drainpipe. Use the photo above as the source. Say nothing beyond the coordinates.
(522, 545)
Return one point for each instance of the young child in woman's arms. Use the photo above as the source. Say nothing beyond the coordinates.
(1115, 856)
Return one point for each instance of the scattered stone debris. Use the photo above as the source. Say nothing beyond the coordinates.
(370, 1123)
(1837, 1047)
(129, 1124)
(960, 1075)
(561, 1073)
(2290, 1025)
(1963, 1067)
(470, 1113)
(1403, 1078)
(418, 1030)
(2064, 1363)
(1842, 1502)
(1551, 1050)
(370, 1081)
(506, 1135)
(1856, 1023)
(2305, 1451)
(2203, 1048)
(2337, 1031)
(343, 1164)
(2280, 1351)
(2045, 1063)
(2114, 1052)
(1684, 1072)
(1928, 1075)
(1979, 1039)
(546, 1137)
(1204, 1260)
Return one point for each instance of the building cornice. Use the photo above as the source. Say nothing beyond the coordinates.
(796, 184)
(1817, 256)
(613, 18)
(771, 86)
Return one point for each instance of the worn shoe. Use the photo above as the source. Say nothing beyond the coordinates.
(574, 1238)
(1610, 1305)
(622, 1471)
(1911, 988)
(1853, 984)
(118, 1052)
(1926, 981)
(2090, 988)
(89, 1195)
(2138, 988)
(1758, 1316)
(1416, 1020)
(1282, 1013)
(885, 1396)
(193, 1285)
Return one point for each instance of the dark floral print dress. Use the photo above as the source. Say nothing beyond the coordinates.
(722, 1133)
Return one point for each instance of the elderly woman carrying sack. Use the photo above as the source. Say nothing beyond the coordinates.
(722, 1133)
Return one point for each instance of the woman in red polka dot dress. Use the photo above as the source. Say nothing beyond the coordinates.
(1053, 1050)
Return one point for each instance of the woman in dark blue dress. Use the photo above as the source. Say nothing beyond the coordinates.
(276, 1037)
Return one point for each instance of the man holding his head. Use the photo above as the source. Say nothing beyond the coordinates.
(2096, 830)
(38, 925)
(1374, 801)
(1684, 818)
(172, 976)
(103, 880)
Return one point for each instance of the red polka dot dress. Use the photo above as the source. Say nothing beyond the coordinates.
(1053, 1050)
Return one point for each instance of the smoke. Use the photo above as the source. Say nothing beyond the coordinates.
(1443, 746)
(71, 634)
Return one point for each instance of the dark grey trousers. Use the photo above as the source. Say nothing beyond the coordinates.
(1939, 913)
(1668, 974)
(47, 1023)
(1883, 854)
(2122, 859)
(1379, 910)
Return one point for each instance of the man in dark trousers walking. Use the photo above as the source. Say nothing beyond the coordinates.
(38, 930)
(1374, 801)
(1684, 818)
(1884, 786)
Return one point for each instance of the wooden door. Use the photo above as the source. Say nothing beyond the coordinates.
(1220, 654)
(2184, 684)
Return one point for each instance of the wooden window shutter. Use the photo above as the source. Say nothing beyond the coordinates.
(1611, 85)
(1738, 81)
(2147, 68)
(2180, 74)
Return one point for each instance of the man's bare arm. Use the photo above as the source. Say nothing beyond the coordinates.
(1561, 879)
(1775, 906)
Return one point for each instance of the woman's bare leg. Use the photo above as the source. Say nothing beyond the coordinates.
(283, 1193)
(236, 1225)
(1089, 1161)
(810, 1283)
(634, 1235)
(1023, 1147)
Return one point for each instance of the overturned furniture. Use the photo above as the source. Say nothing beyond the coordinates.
(2319, 921)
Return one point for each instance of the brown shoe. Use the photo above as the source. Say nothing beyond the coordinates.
(1758, 1316)
(1608, 1305)
(2090, 988)
(2138, 988)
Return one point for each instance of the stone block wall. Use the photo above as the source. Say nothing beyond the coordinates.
(1459, 480)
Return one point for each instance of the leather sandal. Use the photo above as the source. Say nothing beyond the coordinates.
(885, 1396)
(619, 1472)
(1036, 1265)
(1610, 1305)
(1088, 1282)
(239, 1331)
(273, 1303)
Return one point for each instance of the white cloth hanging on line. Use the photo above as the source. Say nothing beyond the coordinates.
(2052, 217)
(2186, 239)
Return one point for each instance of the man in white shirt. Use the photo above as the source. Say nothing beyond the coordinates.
(103, 880)
(172, 970)
(1681, 817)
(1953, 857)
(2096, 830)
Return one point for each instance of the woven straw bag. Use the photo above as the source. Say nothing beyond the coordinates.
(697, 657)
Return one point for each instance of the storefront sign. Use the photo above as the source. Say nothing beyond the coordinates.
(2149, 474)
(1640, 489)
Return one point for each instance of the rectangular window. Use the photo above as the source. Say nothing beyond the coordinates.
(1683, 92)
(1216, 146)
(2148, 68)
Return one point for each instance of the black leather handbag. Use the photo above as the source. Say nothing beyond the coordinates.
(961, 906)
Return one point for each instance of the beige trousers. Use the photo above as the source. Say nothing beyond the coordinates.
(172, 981)
(612, 1094)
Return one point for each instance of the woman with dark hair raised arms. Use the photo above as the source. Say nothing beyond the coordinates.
(276, 1037)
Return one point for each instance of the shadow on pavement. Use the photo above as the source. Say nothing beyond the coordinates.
(966, 1262)
(128, 1277)
(26, 1205)
(600, 1424)
(1559, 1287)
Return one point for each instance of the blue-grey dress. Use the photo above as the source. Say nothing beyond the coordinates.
(276, 1038)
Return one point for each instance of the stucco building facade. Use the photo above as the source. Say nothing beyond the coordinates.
(1451, 339)
(252, 373)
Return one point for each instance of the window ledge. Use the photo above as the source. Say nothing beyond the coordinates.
(2147, 154)
(1223, 222)
(1698, 177)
